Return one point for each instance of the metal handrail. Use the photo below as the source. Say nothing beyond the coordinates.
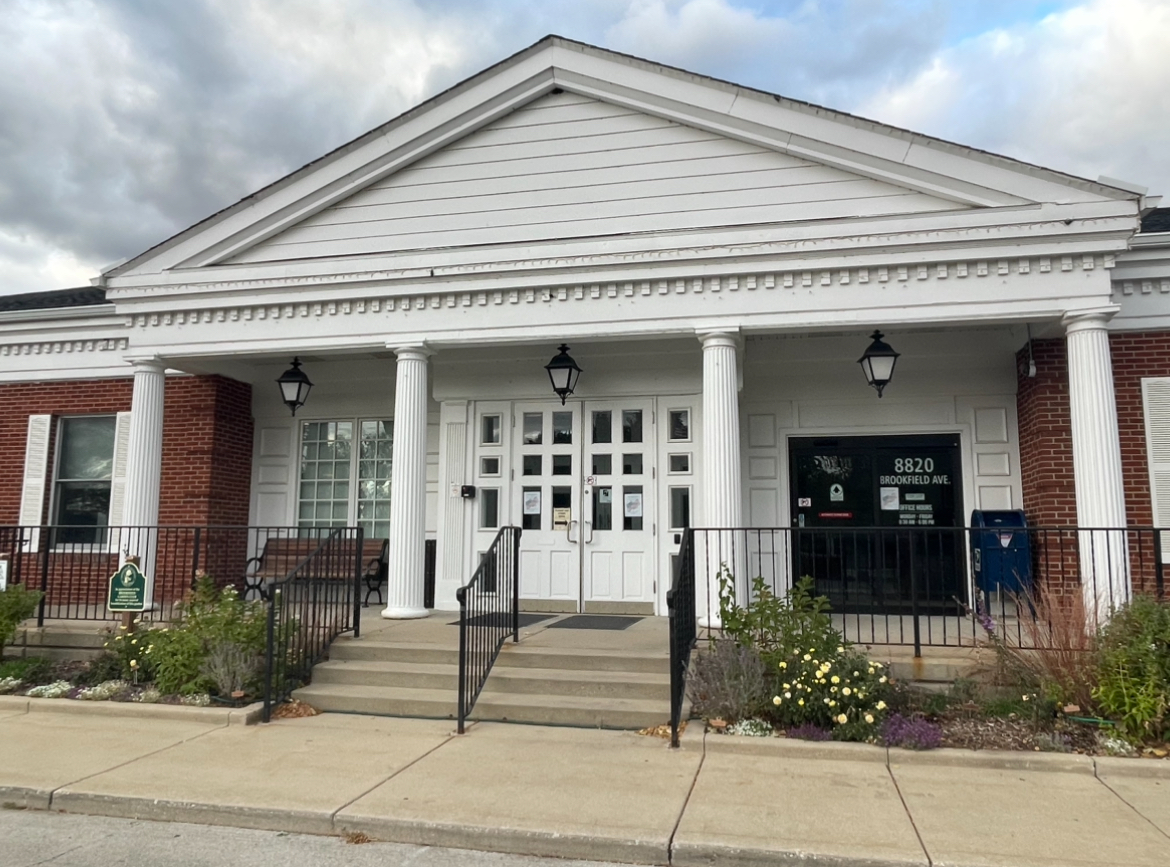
(489, 609)
(680, 604)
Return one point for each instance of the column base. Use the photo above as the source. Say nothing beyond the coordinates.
(404, 613)
(711, 623)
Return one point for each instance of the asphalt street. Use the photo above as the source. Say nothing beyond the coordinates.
(32, 837)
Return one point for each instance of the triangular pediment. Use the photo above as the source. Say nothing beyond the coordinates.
(568, 141)
(571, 166)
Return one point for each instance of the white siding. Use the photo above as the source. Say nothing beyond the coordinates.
(568, 166)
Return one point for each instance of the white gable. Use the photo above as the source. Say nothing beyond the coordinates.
(569, 166)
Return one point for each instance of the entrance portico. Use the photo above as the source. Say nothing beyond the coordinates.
(716, 259)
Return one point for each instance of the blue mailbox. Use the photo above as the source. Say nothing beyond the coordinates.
(1001, 551)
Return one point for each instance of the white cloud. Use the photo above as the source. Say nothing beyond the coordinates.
(1083, 91)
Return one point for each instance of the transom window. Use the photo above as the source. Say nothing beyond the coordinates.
(345, 475)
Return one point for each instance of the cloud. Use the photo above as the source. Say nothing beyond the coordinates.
(125, 121)
(1082, 90)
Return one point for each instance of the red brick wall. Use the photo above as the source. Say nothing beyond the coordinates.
(207, 441)
(1046, 466)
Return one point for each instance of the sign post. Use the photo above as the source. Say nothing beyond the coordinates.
(127, 592)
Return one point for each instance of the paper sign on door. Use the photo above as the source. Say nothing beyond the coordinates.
(532, 502)
(561, 518)
(633, 506)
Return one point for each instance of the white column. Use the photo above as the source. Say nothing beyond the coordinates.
(1100, 490)
(722, 496)
(144, 463)
(408, 487)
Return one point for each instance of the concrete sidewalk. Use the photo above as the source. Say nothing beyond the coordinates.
(601, 795)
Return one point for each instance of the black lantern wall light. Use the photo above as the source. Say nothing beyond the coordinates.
(878, 363)
(564, 373)
(294, 386)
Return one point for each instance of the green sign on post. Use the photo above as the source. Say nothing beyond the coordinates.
(127, 589)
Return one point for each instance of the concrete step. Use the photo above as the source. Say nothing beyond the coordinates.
(527, 656)
(584, 712)
(380, 700)
(413, 675)
(598, 685)
(388, 651)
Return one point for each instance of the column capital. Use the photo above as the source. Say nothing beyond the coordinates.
(1089, 319)
(711, 337)
(147, 363)
(411, 351)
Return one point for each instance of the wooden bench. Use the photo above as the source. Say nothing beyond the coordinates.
(281, 555)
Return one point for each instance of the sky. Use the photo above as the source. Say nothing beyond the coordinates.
(123, 122)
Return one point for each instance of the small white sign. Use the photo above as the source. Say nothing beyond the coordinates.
(633, 506)
(3, 574)
(889, 499)
(837, 494)
(532, 502)
(804, 502)
(605, 495)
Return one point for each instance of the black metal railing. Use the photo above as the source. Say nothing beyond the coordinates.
(680, 602)
(489, 611)
(316, 601)
(936, 586)
(72, 569)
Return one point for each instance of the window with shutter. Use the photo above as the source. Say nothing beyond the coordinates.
(36, 467)
(1156, 398)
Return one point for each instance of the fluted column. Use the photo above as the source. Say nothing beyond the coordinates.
(1097, 474)
(722, 497)
(144, 464)
(408, 487)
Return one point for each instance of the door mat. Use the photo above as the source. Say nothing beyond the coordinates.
(595, 621)
(504, 620)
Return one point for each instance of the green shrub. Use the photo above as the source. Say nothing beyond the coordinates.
(17, 604)
(104, 667)
(32, 670)
(777, 626)
(1133, 677)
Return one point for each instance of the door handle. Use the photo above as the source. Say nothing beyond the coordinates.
(589, 524)
(569, 531)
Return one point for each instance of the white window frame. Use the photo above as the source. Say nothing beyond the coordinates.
(54, 480)
(354, 458)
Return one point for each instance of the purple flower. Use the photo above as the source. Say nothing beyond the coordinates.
(809, 732)
(911, 733)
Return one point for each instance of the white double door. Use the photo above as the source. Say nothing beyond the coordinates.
(584, 484)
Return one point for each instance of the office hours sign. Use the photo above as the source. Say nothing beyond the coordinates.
(916, 487)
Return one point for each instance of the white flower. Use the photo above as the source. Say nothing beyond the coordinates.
(788, 695)
(869, 718)
(776, 700)
(835, 679)
(881, 705)
(841, 718)
(882, 679)
(846, 691)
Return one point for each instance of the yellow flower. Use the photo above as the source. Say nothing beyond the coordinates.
(800, 702)
(827, 701)
(807, 657)
(835, 679)
(832, 689)
(134, 663)
(857, 674)
(882, 679)
(826, 666)
(869, 718)
(876, 664)
(881, 705)
(1025, 698)
(776, 700)
(832, 704)
(133, 640)
(846, 691)
(871, 670)
(784, 665)
(840, 649)
(841, 718)
(786, 686)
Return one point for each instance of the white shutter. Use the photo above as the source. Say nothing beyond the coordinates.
(118, 473)
(1156, 398)
(36, 470)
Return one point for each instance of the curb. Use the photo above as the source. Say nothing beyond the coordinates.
(247, 715)
(1116, 766)
(511, 841)
(707, 854)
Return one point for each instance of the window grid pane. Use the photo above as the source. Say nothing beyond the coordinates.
(373, 502)
(326, 453)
